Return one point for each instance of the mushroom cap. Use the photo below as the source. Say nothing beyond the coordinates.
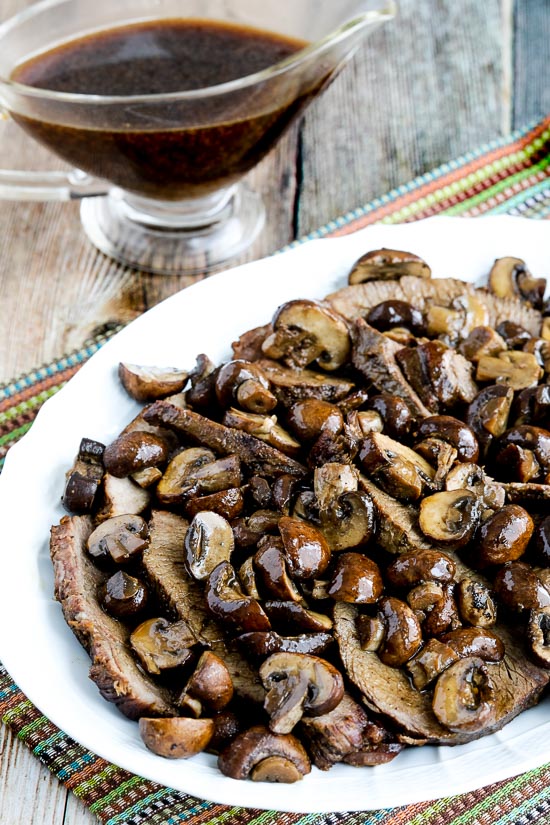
(133, 451)
(208, 541)
(464, 696)
(252, 747)
(226, 600)
(295, 683)
(306, 548)
(211, 682)
(122, 538)
(177, 737)
(150, 383)
(387, 264)
(450, 517)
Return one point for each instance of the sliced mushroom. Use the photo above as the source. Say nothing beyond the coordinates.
(177, 737)
(510, 276)
(260, 645)
(122, 539)
(249, 530)
(355, 579)
(403, 635)
(514, 463)
(351, 522)
(480, 342)
(488, 414)
(226, 600)
(388, 264)
(390, 315)
(540, 547)
(290, 616)
(161, 645)
(311, 416)
(121, 496)
(259, 492)
(295, 684)
(134, 451)
(201, 393)
(473, 641)
(263, 756)
(306, 549)
(226, 503)
(264, 427)
(464, 696)
(371, 631)
(454, 432)
(538, 635)
(514, 334)
(147, 477)
(244, 383)
(475, 603)
(176, 482)
(123, 596)
(332, 481)
(517, 370)
(290, 385)
(423, 597)
(528, 437)
(450, 517)
(393, 466)
(208, 541)
(227, 727)
(362, 423)
(472, 477)
(410, 569)
(210, 685)
(396, 415)
(307, 331)
(84, 478)
(443, 616)
(503, 537)
(247, 578)
(429, 662)
(270, 566)
(149, 383)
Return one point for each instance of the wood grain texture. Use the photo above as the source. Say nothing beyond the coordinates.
(434, 84)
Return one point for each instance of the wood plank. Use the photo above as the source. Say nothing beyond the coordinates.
(76, 813)
(531, 60)
(422, 90)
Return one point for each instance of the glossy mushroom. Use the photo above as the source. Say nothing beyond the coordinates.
(149, 383)
(121, 539)
(243, 383)
(403, 636)
(210, 685)
(208, 541)
(450, 517)
(355, 579)
(388, 264)
(162, 645)
(177, 737)
(134, 451)
(226, 600)
(306, 549)
(503, 537)
(263, 756)
(464, 696)
(123, 596)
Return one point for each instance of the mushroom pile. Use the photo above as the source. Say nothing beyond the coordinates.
(354, 555)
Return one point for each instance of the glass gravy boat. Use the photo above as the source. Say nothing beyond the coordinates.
(152, 198)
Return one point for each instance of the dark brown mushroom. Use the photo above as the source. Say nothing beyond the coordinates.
(149, 383)
(208, 542)
(518, 587)
(473, 641)
(134, 451)
(410, 569)
(403, 636)
(391, 314)
(226, 600)
(227, 727)
(429, 662)
(454, 432)
(161, 645)
(540, 546)
(388, 264)
(395, 467)
(355, 579)
(538, 635)
(482, 341)
(176, 483)
(298, 684)
(488, 414)
(121, 539)
(260, 645)
(396, 415)
(228, 504)
(177, 737)
(210, 685)
(121, 496)
(290, 616)
(264, 427)
(247, 578)
(263, 756)
(123, 596)
(443, 616)
(271, 569)
(531, 438)
(84, 478)
(306, 549)
(475, 603)
(510, 276)
(450, 517)
(259, 492)
(503, 537)
(249, 530)
(202, 394)
(514, 334)
(311, 416)
(243, 383)
(307, 331)
(464, 696)
(514, 463)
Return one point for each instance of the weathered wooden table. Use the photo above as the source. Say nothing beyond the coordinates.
(446, 76)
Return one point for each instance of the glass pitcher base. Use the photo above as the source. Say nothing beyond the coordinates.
(167, 238)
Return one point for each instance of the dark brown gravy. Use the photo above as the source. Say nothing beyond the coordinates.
(171, 149)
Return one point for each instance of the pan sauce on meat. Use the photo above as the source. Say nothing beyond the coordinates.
(337, 538)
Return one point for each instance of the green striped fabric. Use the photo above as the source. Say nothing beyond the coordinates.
(507, 176)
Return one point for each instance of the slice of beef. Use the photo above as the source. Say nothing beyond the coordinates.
(291, 385)
(397, 523)
(519, 491)
(511, 309)
(518, 685)
(249, 345)
(374, 356)
(183, 598)
(114, 669)
(344, 731)
(260, 458)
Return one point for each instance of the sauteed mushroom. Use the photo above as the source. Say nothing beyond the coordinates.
(464, 696)
(263, 756)
(149, 383)
(176, 738)
(388, 264)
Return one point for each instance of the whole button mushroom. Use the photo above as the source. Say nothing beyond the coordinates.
(503, 537)
(263, 756)
(210, 685)
(403, 635)
(306, 548)
(518, 587)
(208, 541)
(121, 539)
(243, 383)
(464, 696)
(307, 331)
(296, 684)
(134, 451)
(177, 737)
(396, 416)
(391, 314)
(122, 596)
(355, 579)
(226, 600)
(443, 616)
(310, 417)
(473, 641)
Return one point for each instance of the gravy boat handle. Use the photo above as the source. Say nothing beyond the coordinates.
(49, 186)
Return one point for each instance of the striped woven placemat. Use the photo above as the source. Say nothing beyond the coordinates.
(507, 176)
